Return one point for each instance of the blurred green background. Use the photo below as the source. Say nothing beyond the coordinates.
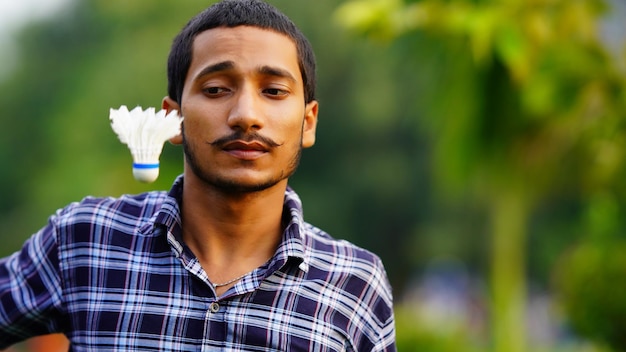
(477, 146)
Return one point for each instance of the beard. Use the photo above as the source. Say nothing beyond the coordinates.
(232, 185)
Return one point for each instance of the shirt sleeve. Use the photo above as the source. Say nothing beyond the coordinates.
(382, 307)
(372, 324)
(30, 289)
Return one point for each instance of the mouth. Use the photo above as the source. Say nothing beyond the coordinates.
(243, 145)
(245, 150)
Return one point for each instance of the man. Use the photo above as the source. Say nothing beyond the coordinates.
(225, 259)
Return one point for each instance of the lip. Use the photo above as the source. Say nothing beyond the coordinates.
(245, 150)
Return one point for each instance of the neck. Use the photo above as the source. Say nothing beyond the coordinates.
(231, 234)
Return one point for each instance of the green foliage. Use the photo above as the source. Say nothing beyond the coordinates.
(587, 277)
(590, 282)
(416, 336)
(544, 83)
(541, 114)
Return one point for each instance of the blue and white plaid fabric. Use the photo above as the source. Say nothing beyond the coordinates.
(114, 275)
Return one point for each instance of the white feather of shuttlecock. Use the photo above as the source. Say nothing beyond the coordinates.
(145, 132)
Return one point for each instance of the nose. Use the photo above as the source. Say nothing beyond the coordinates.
(245, 113)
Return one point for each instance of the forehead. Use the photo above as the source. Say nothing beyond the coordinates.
(247, 47)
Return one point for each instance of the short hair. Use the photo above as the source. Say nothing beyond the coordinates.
(233, 13)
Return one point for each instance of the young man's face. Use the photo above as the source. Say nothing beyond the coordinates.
(246, 121)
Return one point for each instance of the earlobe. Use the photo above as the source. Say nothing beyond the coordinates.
(177, 140)
(310, 124)
(168, 104)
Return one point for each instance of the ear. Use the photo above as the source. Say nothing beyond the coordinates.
(309, 125)
(168, 104)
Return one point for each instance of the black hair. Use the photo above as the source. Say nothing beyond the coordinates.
(233, 13)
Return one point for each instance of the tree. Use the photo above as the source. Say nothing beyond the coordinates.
(544, 115)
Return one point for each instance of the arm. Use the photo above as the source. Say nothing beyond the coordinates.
(30, 289)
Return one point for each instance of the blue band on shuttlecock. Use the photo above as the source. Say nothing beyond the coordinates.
(145, 166)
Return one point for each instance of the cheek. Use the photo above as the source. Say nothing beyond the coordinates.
(291, 132)
(197, 120)
(290, 120)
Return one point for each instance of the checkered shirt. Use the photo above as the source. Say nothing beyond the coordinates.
(113, 274)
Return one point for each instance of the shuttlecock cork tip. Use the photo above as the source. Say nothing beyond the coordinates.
(146, 172)
(145, 132)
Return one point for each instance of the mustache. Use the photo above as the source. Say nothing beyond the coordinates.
(246, 137)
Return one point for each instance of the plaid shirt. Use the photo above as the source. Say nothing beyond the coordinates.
(114, 275)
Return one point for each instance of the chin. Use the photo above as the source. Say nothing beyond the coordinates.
(234, 187)
(240, 183)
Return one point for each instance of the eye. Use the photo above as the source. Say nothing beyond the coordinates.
(275, 92)
(215, 91)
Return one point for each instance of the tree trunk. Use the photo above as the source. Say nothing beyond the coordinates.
(509, 215)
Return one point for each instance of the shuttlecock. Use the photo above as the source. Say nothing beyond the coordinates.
(145, 132)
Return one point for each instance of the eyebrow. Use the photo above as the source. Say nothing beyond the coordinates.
(263, 70)
(218, 67)
(277, 72)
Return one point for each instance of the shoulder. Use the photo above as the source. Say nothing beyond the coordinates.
(327, 254)
(126, 206)
(354, 282)
(92, 217)
(100, 232)
(353, 268)
(340, 254)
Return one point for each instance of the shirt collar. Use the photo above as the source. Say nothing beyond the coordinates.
(291, 246)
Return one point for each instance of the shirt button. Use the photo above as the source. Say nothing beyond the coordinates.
(214, 307)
